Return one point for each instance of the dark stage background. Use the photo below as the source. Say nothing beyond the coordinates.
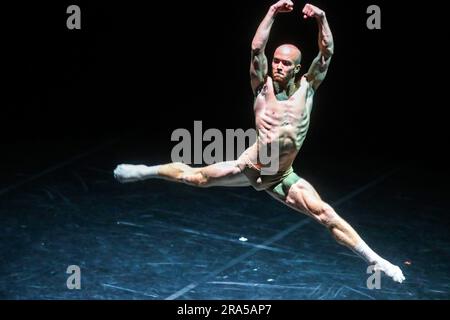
(157, 67)
(136, 72)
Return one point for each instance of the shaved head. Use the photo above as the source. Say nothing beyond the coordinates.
(286, 64)
(291, 51)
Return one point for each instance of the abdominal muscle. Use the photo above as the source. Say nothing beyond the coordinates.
(257, 156)
(287, 151)
(284, 123)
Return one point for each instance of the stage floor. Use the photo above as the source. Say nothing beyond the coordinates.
(161, 240)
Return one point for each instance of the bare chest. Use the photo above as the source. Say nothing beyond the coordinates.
(281, 115)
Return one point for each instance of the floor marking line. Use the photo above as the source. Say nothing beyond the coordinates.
(278, 236)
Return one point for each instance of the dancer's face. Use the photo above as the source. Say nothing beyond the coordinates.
(285, 63)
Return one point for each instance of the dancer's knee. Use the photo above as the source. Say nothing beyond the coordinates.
(326, 215)
(322, 212)
(306, 201)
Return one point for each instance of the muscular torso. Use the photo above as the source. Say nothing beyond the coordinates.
(285, 122)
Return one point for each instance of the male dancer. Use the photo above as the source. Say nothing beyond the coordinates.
(282, 112)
